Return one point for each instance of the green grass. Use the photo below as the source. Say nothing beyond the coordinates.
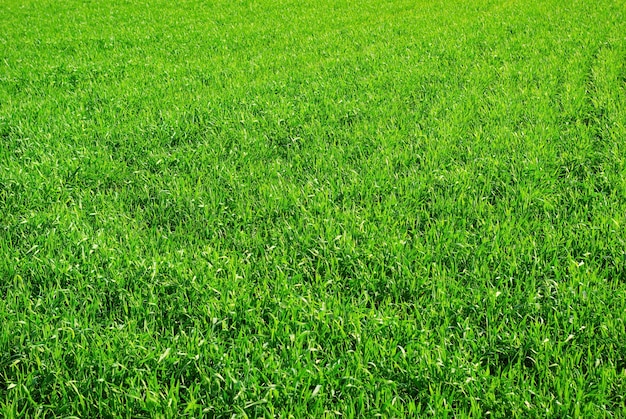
(313, 208)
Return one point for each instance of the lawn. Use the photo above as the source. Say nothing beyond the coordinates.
(311, 208)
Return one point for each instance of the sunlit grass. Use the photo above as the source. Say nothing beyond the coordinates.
(276, 208)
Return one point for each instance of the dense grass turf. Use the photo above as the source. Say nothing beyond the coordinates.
(318, 208)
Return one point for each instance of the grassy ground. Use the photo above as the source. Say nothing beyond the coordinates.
(312, 208)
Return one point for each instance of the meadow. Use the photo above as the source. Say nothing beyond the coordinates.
(332, 208)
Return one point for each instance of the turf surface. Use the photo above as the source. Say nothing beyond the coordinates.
(312, 208)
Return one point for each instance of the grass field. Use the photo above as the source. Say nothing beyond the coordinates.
(312, 208)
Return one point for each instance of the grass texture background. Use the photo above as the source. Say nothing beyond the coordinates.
(312, 208)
